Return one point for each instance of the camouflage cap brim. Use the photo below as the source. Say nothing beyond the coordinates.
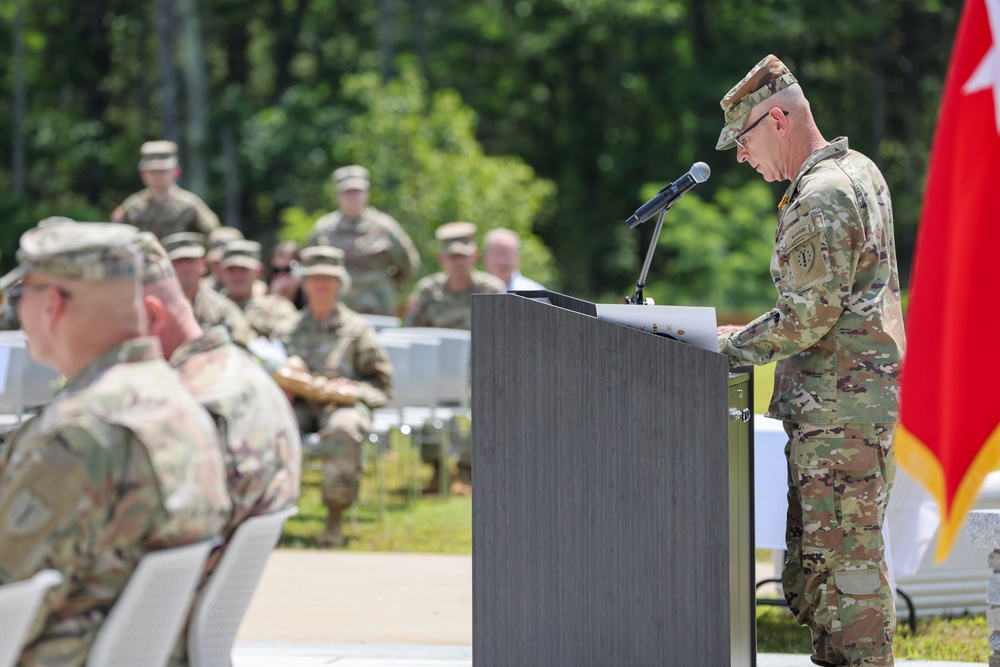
(353, 184)
(338, 272)
(242, 262)
(13, 277)
(187, 252)
(765, 79)
(160, 164)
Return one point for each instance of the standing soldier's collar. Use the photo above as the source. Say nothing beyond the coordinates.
(835, 147)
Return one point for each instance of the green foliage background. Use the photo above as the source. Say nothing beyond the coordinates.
(554, 117)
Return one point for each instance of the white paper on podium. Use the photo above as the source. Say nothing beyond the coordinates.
(694, 325)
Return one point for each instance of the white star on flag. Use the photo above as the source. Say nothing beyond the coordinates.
(987, 74)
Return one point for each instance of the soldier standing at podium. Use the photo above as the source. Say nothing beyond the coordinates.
(836, 333)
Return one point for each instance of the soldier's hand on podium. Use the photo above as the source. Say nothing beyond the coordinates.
(728, 329)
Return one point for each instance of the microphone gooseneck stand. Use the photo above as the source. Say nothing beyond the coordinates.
(637, 298)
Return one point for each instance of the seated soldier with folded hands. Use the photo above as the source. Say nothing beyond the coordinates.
(337, 374)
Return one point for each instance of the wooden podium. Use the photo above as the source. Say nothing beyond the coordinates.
(612, 512)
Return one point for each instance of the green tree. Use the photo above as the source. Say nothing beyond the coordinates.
(427, 168)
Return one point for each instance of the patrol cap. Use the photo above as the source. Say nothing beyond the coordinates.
(184, 245)
(156, 264)
(241, 253)
(352, 177)
(219, 237)
(158, 155)
(324, 260)
(457, 238)
(766, 78)
(87, 251)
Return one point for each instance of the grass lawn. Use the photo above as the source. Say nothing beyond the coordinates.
(398, 520)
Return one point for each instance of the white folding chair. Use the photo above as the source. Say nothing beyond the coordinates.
(379, 322)
(144, 623)
(223, 602)
(19, 603)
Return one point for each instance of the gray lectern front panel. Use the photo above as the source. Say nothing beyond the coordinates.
(601, 511)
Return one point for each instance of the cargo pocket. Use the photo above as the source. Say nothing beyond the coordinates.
(837, 480)
(863, 613)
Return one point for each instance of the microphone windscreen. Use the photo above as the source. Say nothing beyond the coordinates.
(700, 172)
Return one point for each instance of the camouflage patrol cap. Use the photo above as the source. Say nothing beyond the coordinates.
(156, 264)
(324, 260)
(219, 237)
(457, 238)
(184, 245)
(766, 78)
(158, 155)
(241, 253)
(87, 251)
(353, 177)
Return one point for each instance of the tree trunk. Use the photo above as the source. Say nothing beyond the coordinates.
(195, 79)
(286, 36)
(230, 158)
(17, 138)
(165, 41)
(387, 37)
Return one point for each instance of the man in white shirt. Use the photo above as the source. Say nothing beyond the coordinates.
(502, 257)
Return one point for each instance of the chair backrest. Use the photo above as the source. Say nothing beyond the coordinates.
(399, 354)
(421, 388)
(452, 379)
(24, 383)
(379, 322)
(19, 603)
(144, 623)
(223, 602)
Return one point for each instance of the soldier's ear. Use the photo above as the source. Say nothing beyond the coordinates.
(156, 315)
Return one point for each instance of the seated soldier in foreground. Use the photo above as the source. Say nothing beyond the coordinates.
(343, 373)
(122, 462)
(260, 436)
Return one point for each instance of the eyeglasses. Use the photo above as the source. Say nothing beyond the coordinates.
(281, 269)
(752, 126)
(15, 292)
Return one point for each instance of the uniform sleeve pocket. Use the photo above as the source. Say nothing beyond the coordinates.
(805, 257)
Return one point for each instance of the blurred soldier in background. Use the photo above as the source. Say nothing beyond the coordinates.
(187, 252)
(444, 299)
(379, 254)
(270, 315)
(346, 374)
(213, 254)
(122, 462)
(163, 207)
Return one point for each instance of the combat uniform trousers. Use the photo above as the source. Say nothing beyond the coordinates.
(836, 578)
(342, 431)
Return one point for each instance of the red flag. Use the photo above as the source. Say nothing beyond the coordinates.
(949, 431)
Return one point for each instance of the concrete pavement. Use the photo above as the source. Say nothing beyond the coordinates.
(353, 609)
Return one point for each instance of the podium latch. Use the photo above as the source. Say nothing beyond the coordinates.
(735, 414)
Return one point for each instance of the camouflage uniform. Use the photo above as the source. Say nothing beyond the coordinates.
(212, 309)
(271, 315)
(182, 211)
(432, 303)
(836, 333)
(342, 346)
(379, 254)
(122, 462)
(261, 437)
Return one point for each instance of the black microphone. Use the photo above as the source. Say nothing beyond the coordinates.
(667, 196)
